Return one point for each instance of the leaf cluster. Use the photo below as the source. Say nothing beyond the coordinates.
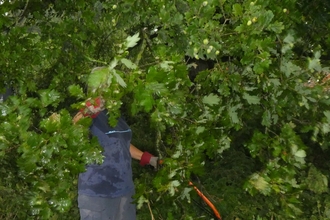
(249, 124)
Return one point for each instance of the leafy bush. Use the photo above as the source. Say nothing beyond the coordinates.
(217, 89)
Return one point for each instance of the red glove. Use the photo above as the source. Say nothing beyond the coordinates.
(148, 158)
(93, 108)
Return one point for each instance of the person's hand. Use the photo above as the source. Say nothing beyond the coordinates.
(93, 107)
(148, 158)
(154, 162)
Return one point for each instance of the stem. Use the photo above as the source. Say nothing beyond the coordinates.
(20, 17)
(96, 61)
(158, 139)
(152, 216)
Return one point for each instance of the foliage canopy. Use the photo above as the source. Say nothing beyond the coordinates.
(227, 90)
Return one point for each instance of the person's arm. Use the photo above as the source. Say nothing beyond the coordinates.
(77, 117)
(135, 152)
(144, 157)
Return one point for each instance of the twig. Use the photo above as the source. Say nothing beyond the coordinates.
(159, 137)
(96, 61)
(20, 17)
(152, 216)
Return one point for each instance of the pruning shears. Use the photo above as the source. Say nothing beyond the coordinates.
(216, 213)
(207, 201)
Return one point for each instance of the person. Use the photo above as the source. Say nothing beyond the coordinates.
(105, 191)
(4, 96)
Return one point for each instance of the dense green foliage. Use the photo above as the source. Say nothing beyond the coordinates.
(218, 89)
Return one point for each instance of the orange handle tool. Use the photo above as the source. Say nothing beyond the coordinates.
(204, 198)
(207, 201)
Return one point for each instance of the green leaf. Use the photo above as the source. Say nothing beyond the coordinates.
(295, 209)
(233, 115)
(251, 99)
(166, 65)
(97, 77)
(141, 201)
(173, 172)
(129, 64)
(325, 127)
(146, 100)
(288, 68)
(289, 39)
(186, 194)
(224, 144)
(266, 118)
(266, 18)
(113, 64)
(119, 80)
(316, 181)
(275, 82)
(294, 148)
(175, 183)
(49, 97)
(211, 99)
(131, 41)
(240, 28)
(314, 64)
(172, 187)
(317, 55)
(327, 114)
(76, 90)
(276, 27)
(260, 184)
(237, 10)
(157, 88)
(300, 153)
(200, 129)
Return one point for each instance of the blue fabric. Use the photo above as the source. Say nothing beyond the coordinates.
(113, 178)
(4, 96)
(99, 208)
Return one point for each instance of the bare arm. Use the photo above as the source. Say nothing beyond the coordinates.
(144, 157)
(77, 117)
(135, 152)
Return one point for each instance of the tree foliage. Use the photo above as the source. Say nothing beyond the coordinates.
(230, 91)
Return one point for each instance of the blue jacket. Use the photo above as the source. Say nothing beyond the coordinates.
(113, 178)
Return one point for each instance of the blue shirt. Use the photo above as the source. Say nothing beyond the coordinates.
(113, 178)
